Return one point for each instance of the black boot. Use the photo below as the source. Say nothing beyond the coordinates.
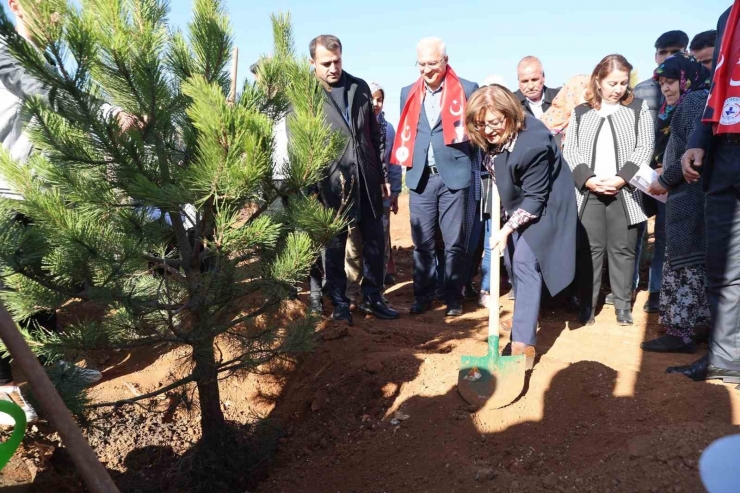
(341, 312)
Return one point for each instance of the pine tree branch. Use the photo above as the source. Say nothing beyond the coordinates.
(146, 342)
(261, 310)
(174, 385)
(258, 212)
(162, 261)
(50, 286)
(170, 318)
(239, 363)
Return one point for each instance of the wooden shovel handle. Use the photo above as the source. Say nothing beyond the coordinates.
(92, 471)
(494, 305)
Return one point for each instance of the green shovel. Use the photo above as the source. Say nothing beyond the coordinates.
(8, 448)
(492, 380)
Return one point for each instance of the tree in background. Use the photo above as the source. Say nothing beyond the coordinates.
(161, 219)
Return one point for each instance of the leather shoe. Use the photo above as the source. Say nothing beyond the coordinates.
(701, 370)
(342, 313)
(528, 351)
(586, 315)
(520, 348)
(696, 371)
(652, 305)
(378, 308)
(727, 376)
(454, 310)
(609, 300)
(624, 317)
(669, 344)
(420, 306)
(315, 305)
(389, 280)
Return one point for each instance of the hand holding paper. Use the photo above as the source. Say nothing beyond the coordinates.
(643, 180)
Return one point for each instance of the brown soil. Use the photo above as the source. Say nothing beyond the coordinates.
(597, 414)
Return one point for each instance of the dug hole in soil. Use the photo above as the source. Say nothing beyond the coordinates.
(375, 409)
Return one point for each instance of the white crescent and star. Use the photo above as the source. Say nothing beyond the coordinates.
(459, 111)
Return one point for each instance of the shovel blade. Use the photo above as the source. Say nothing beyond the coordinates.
(492, 380)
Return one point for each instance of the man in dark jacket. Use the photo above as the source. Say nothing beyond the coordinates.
(535, 97)
(702, 47)
(666, 45)
(356, 182)
(714, 151)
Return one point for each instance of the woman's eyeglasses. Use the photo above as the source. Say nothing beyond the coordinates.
(488, 126)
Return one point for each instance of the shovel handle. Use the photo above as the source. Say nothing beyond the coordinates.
(494, 305)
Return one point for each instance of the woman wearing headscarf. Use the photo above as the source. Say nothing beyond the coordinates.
(557, 117)
(684, 302)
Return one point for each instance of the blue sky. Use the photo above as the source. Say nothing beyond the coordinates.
(483, 36)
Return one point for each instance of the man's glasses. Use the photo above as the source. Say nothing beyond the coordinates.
(431, 65)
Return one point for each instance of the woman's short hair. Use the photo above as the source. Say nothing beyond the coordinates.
(500, 100)
(606, 66)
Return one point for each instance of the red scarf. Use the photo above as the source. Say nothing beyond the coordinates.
(453, 118)
(723, 105)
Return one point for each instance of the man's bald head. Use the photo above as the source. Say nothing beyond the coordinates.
(531, 77)
(434, 45)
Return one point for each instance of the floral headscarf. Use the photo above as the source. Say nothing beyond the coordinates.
(375, 87)
(692, 76)
(571, 95)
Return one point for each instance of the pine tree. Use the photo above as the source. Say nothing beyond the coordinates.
(162, 219)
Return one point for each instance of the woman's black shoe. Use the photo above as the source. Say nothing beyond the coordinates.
(586, 315)
(669, 344)
(624, 317)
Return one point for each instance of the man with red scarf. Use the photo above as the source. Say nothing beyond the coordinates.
(713, 155)
(431, 142)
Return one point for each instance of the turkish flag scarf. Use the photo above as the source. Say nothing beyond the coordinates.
(723, 105)
(452, 113)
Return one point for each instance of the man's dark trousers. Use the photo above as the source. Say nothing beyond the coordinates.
(432, 203)
(722, 211)
(373, 255)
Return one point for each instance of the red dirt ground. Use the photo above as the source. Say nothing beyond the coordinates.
(598, 414)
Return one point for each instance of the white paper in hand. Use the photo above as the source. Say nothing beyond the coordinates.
(642, 181)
